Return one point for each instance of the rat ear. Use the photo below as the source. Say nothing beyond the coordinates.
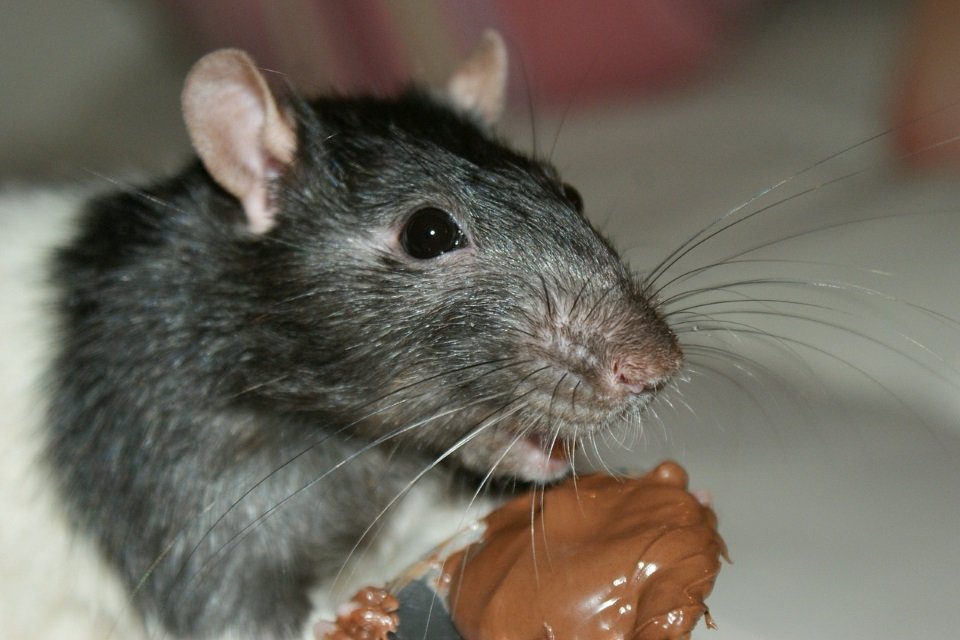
(237, 129)
(479, 86)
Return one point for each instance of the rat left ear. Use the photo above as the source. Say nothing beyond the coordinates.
(238, 130)
(479, 86)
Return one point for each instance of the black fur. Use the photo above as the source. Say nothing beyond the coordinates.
(199, 359)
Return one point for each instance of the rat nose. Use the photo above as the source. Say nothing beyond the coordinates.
(636, 374)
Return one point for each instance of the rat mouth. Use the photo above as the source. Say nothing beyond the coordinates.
(545, 458)
(529, 455)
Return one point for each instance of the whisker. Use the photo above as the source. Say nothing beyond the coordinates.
(533, 536)
(530, 110)
(838, 286)
(712, 234)
(864, 336)
(553, 397)
(750, 369)
(910, 340)
(780, 345)
(576, 300)
(744, 365)
(596, 449)
(132, 189)
(832, 356)
(679, 399)
(509, 360)
(574, 95)
(600, 299)
(693, 241)
(733, 259)
(547, 298)
(738, 359)
(543, 523)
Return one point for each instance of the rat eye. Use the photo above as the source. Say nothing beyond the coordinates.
(573, 197)
(431, 232)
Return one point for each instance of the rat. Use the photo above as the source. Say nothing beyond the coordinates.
(258, 355)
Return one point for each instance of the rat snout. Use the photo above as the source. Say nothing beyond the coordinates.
(589, 362)
(606, 364)
(641, 352)
(628, 351)
(638, 371)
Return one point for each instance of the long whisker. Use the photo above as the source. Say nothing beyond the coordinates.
(843, 287)
(733, 259)
(574, 95)
(862, 335)
(832, 356)
(745, 299)
(132, 189)
(748, 368)
(654, 276)
(695, 240)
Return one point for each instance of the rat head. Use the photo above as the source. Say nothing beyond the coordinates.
(419, 282)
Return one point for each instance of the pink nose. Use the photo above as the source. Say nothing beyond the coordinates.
(638, 375)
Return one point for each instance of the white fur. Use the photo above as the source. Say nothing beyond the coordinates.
(422, 521)
(53, 585)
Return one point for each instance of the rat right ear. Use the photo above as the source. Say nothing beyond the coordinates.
(479, 86)
(236, 127)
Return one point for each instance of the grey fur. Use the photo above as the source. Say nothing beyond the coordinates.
(232, 410)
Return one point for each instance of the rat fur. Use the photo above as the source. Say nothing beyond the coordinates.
(254, 363)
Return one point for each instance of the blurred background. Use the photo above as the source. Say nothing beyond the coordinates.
(826, 427)
(93, 86)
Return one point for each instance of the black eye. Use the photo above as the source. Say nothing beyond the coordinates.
(573, 197)
(431, 232)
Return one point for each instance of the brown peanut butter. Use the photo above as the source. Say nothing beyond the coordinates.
(593, 558)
